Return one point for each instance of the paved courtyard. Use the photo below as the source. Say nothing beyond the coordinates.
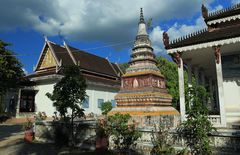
(12, 143)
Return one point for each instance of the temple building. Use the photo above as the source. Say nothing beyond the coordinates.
(212, 56)
(102, 77)
(143, 93)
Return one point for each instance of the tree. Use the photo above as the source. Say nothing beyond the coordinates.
(197, 128)
(106, 107)
(10, 69)
(169, 70)
(69, 93)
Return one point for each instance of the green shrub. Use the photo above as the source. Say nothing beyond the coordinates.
(162, 142)
(123, 132)
(196, 129)
(106, 107)
(28, 125)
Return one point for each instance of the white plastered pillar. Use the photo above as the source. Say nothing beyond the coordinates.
(181, 88)
(218, 64)
(18, 103)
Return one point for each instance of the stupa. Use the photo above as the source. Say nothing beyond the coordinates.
(143, 92)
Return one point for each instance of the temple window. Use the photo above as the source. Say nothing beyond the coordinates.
(113, 103)
(27, 101)
(100, 102)
(85, 103)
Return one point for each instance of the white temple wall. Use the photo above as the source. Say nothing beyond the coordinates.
(43, 103)
(97, 92)
(232, 99)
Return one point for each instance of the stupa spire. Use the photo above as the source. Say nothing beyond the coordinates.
(141, 16)
(141, 25)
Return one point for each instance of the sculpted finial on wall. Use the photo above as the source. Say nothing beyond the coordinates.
(166, 40)
(217, 53)
(177, 58)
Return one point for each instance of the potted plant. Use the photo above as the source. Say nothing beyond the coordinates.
(28, 131)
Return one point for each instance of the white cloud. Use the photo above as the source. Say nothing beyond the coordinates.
(174, 32)
(98, 20)
(177, 30)
(218, 7)
(235, 1)
(156, 38)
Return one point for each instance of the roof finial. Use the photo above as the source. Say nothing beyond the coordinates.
(141, 16)
(45, 37)
(204, 11)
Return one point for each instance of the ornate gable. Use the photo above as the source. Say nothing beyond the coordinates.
(47, 60)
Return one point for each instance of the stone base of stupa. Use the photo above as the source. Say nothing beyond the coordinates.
(150, 116)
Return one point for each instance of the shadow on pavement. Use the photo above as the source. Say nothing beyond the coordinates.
(9, 130)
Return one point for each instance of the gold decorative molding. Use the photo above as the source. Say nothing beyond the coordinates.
(48, 60)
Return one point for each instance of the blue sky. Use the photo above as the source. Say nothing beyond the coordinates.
(105, 28)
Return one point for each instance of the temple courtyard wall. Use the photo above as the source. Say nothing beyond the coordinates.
(224, 140)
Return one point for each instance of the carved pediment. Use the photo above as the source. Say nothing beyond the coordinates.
(47, 60)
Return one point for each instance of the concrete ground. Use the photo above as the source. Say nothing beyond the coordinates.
(12, 143)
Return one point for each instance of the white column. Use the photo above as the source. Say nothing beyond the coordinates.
(18, 103)
(196, 74)
(220, 85)
(181, 90)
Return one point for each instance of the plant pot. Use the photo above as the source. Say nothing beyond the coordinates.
(102, 143)
(29, 136)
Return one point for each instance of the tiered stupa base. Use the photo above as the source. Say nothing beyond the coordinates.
(147, 108)
(150, 116)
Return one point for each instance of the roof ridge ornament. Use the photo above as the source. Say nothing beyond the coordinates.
(204, 11)
(45, 38)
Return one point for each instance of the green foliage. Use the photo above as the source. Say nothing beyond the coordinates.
(10, 70)
(123, 132)
(124, 66)
(69, 92)
(196, 129)
(106, 107)
(170, 71)
(162, 143)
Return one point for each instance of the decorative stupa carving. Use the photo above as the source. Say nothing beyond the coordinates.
(143, 90)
